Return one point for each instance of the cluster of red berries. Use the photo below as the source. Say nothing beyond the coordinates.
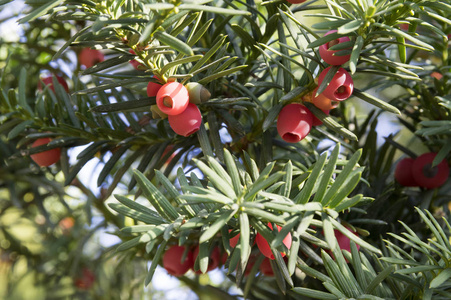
(177, 264)
(419, 172)
(179, 104)
(295, 120)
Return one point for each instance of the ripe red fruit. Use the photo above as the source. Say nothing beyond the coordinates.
(66, 224)
(436, 75)
(214, 259)
(340, 87)
(427, 176)
(264, 247)
(403, 172)
(153, 88)
(343, 241)
(234, 240)
(296, 1)
(265, 267)
(316, 121)
(320, 101)
(329, 55)
(49, 81)
(172, 261)
(187, 122)
(45, 158)
(172, 98)
(294, 122)
(86, 280)
(89, 57)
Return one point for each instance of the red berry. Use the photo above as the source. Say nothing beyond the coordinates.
(403, 172)
(234, 240)
(133, 62)
(265, 267)
(264, 247)
(294, 122)
(172, 98)
(296, 1)
(343, 241)
(172, 261)
(427, 176)
(45, 158)
(329, 55)
(66, 224)
(320, 101)
(153, 88)
(436, 75)
(316, 121)
(214, 259)
(49, 81)
(188, 122)
(340, 87)
(404, 26)
(86, 280)
(89, 57)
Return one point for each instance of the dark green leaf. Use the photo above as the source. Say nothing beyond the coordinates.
(173, 42)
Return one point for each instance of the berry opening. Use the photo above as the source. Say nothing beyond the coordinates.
(167, 101)
(342, 91)
(291, 137)
(429, 171)
(333, 43)
(192, 131)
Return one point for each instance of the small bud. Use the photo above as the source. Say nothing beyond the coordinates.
(371, 10)
(197, 93)
(134, 38)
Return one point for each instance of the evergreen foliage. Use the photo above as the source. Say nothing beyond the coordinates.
(155, 189)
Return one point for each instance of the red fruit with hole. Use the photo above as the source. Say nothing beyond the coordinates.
(172, 98)
(49, 82)
(264, 247)
(427, 176)
(172, 261)
(89, 57)
(403, 172)
(294, 122)
(86, 280)
(265, 267)
(45, 158)
(188, 122)
(329, 56)
(214, 259)
(340, 87)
